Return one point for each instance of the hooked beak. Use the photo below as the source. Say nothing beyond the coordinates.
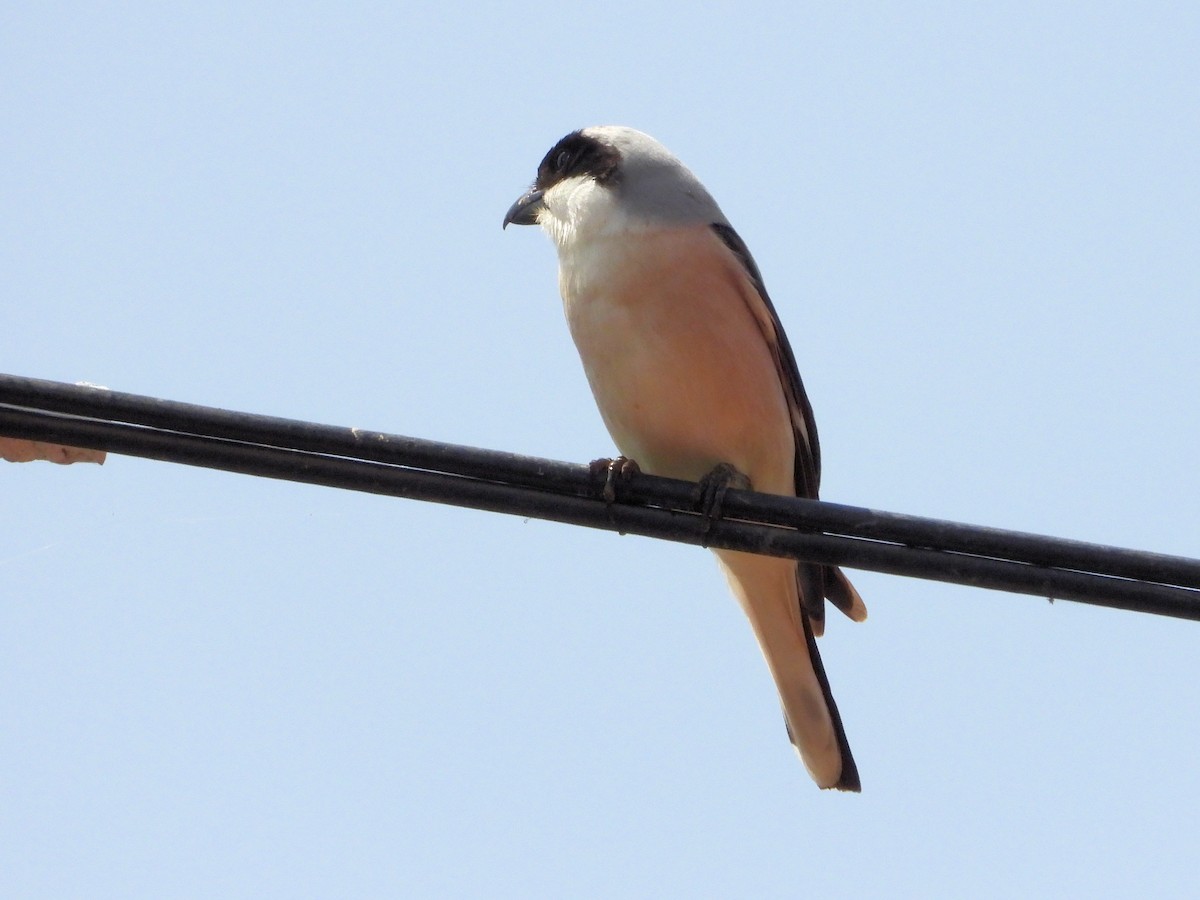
(525, 210)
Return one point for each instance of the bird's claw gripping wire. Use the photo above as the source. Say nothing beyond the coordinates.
(611, 475)
(709, 494)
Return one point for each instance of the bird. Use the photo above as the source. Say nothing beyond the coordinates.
(695, 379)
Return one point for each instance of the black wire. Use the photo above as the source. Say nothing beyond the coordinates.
(503, 482)
(545, 473)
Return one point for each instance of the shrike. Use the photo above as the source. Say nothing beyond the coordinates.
(693, 374)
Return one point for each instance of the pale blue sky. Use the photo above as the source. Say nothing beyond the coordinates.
(980, 228)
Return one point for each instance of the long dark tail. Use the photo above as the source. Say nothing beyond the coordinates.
(849, 780)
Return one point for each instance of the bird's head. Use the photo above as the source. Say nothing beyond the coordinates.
(610, 179)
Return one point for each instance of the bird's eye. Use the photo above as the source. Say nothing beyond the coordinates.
(560, 161)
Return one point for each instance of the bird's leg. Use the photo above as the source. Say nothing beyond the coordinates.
(614, 472)
(709, 494)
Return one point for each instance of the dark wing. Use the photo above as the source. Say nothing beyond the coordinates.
(816, 582)
(808, 448)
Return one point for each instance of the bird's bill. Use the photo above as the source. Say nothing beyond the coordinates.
(525, 210)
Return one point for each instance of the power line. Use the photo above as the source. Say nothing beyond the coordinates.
(413, 468)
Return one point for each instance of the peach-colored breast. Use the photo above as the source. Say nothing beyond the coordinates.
(671, 341)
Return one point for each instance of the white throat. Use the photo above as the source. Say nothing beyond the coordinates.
(578, 211)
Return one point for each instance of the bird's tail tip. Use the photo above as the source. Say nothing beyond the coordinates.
(846, 778)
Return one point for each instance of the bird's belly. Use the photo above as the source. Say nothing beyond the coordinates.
(681, 372)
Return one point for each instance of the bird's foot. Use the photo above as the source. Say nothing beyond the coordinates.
(610, 474)
(709, 495)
